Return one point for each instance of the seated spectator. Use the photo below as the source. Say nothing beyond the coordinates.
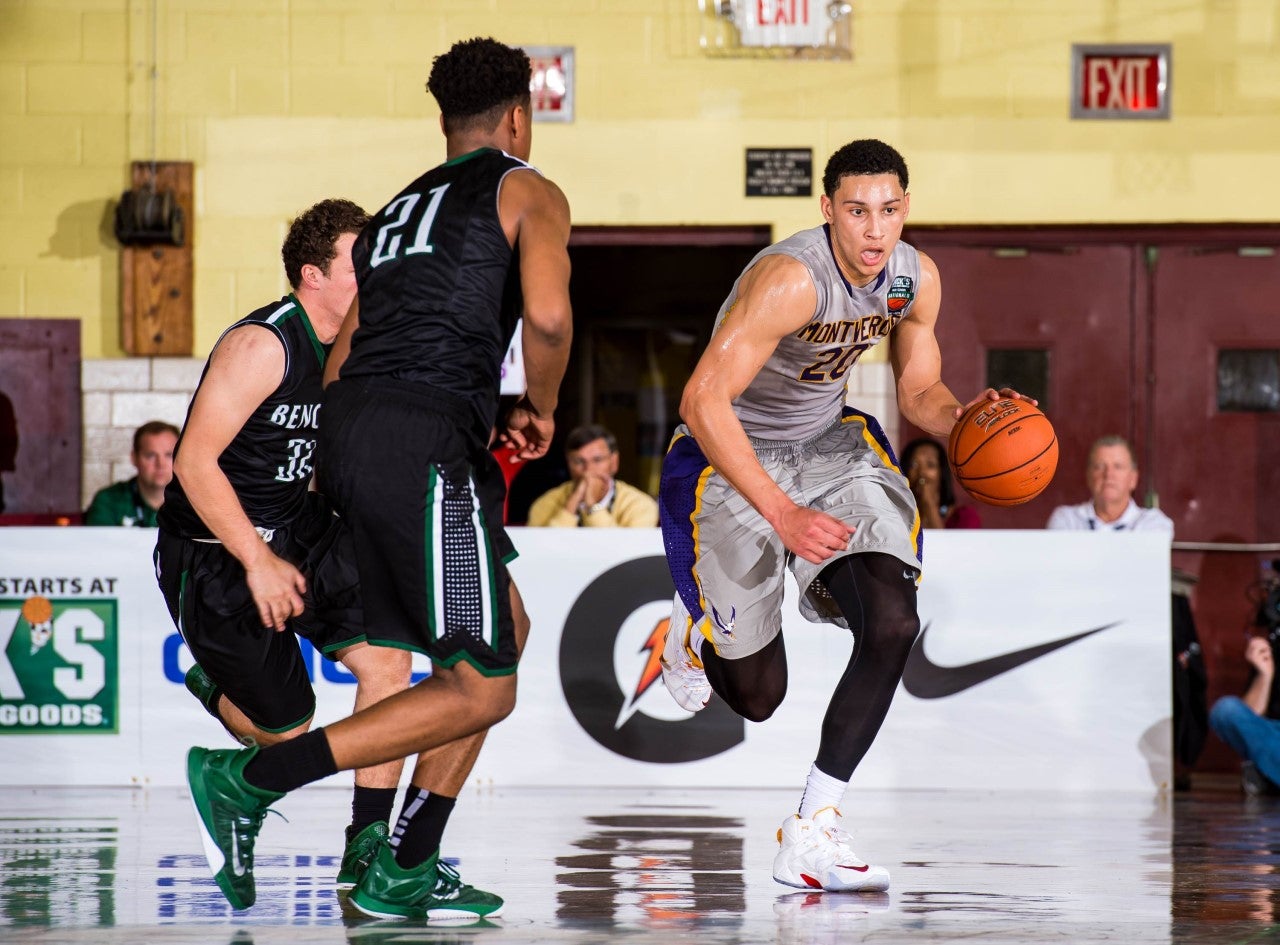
(1250, 724)
(924, 463)
(136, 501)
(1111, 475)
(592, 497)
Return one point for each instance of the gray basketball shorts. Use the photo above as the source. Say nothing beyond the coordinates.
(728, 564)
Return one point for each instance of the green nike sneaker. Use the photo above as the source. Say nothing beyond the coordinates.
(360, 851)
(203, 688)
(433, 890)
(231, 812)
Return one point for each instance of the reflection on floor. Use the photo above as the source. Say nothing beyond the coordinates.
(650, 866)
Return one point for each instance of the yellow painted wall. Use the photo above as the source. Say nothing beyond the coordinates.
(280, 103)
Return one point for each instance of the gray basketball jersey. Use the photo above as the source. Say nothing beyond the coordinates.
(801, 388)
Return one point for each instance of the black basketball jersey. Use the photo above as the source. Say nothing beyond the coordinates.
(269, 461)
(438, 282)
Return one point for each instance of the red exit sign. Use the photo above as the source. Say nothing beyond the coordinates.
(1120, 81)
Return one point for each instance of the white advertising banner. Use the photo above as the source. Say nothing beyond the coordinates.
(1044, 663)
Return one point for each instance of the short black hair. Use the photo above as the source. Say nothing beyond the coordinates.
(946, 490)
(152, 428)
(588, 433)
(476, 81)
(312, 236)
(864, 156)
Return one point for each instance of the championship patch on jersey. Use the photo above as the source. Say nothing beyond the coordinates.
(901, 293)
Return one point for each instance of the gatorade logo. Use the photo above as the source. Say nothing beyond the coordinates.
(59, 666)
(611, 678)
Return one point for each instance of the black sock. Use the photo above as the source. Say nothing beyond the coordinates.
(291, 764)
(421, 826)
(370, 805)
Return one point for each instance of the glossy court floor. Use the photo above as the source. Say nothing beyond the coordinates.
(659, 866)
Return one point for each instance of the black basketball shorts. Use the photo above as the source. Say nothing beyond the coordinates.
(424, 501)
(261, 670)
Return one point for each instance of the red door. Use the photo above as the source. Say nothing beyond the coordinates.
(1147, 333)
(1215, 310)
(1219, 467)
(1064, 311)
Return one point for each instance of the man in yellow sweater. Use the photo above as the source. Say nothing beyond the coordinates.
(593, 497)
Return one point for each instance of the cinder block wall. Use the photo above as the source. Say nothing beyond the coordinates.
(280, 105)
(118, 396)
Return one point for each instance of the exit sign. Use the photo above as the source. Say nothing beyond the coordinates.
(1120, 81)
(782, 22)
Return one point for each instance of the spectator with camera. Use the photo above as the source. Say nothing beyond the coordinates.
(1250, 723)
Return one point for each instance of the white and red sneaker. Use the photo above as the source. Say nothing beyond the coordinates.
(682, 671)
(815, 854)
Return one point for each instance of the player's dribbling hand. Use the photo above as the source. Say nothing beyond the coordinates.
(813, 535)
(992, 394)
(277, 588)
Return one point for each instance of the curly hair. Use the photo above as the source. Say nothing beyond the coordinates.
(865, 156)
(312, 235)
(476, 81)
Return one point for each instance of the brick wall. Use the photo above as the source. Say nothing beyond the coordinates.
(118, 396)
(121, 394)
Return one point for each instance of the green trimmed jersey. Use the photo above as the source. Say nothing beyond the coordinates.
(439, 286)
(269, 462)
(120, 503)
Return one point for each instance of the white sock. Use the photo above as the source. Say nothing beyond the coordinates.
(821, 790)
(695, 642)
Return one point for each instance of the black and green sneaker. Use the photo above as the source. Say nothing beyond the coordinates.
(203, 688)
(360, 851)
(230, 811)
(433, 890)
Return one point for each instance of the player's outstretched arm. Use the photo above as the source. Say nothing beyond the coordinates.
(775, 297)
(535, 215)
(245, 367)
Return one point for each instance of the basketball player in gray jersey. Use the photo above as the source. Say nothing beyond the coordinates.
(772, 471)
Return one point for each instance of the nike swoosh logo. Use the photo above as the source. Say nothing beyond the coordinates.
(925, 679)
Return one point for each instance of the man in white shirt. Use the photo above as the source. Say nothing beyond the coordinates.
(1112, 475)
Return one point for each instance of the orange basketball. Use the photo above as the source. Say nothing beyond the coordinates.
(1004, 452)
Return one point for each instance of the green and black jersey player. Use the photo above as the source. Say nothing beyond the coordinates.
(403, 456)
(245, 550)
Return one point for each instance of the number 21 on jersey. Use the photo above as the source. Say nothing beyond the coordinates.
(390, 235)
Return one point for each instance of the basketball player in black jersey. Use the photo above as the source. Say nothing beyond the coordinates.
(245, 550)
(443, 271)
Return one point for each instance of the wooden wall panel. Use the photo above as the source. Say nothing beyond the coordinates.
(156, 280)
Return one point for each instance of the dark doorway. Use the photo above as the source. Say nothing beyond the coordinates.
(644, 303)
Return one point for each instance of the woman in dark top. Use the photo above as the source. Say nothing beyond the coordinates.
(924, 463)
